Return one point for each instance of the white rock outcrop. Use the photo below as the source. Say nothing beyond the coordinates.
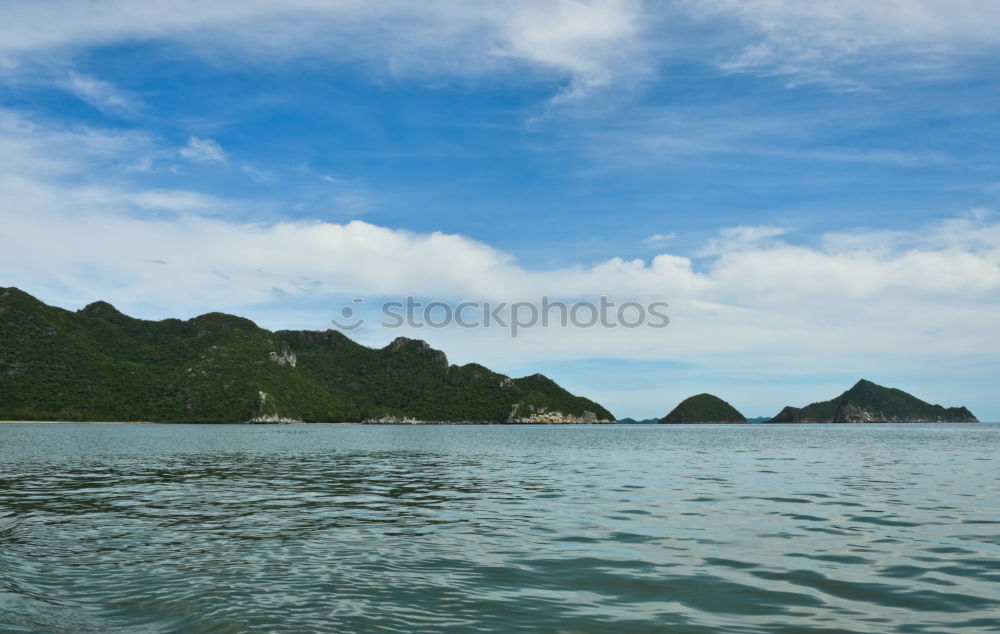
(284, 357)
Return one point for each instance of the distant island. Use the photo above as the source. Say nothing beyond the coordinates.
(654, 421)
(867, 402)
(632, 421)
(97, 364)
(703, 409)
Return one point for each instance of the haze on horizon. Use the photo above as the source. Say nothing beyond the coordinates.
(813, 191)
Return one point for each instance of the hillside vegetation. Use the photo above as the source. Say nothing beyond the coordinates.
(867, 402)
(703, 408)
(97, 364)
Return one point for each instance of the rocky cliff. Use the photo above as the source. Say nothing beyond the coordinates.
(520, 415)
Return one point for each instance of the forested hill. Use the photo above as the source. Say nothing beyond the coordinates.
(703, 408)
(867, 402)
(97, 364)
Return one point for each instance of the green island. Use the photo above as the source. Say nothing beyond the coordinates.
(867, 402)
(703, 408)
(97, 364)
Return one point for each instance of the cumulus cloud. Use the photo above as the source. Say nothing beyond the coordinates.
(891, 299)
(752, 301)
(452, 266)
(794, 304)
(591, 41)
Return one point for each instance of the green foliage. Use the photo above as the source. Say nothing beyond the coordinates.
(704, 408)
(890, 403)
(98, 364)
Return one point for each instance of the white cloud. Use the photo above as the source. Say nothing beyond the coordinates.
(102, 95)
(882, 300)
(790, 305)
(29, 147)
(659, 239)
(833, 42)
(590, 43)
(169, 200)
(583, 45)
(752, 292)
(203, 151)
(740, 238)
(926, 297)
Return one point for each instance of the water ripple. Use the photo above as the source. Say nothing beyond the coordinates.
(639, 529)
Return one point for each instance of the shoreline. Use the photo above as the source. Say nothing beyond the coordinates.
(144, 422)
(430, 424)
(76, 422)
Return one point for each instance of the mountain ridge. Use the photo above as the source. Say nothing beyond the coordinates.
(633, 421)
(99, 364)
(867, 402)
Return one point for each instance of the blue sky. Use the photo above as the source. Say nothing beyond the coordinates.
(813, 191)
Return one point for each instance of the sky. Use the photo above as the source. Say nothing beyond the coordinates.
(812, 188)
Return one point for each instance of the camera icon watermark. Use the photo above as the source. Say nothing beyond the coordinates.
(515, 317)
(349, 319)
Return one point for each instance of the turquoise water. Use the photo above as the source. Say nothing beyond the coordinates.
(820, 528)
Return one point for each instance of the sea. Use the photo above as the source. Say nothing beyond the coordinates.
(639, 528)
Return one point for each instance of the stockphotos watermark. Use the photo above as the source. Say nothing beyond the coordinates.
(512, 316)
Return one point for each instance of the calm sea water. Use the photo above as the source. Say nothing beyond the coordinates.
(826, 528)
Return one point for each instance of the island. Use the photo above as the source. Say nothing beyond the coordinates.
(867, 402)
(703, 409)
(97, 364)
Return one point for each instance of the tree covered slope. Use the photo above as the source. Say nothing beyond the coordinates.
(867, 402)
(98, 364)
(703, 408)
